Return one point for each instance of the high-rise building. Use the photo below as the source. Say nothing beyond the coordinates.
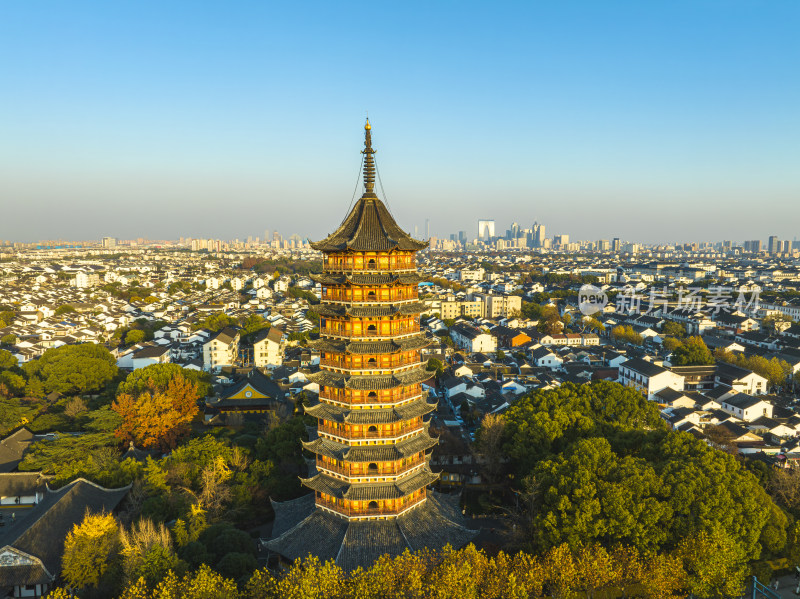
(538, 235)
(485, 230)
(616, 246)
(560, 240)
(109, 242)
(772, 244)
(371, 470)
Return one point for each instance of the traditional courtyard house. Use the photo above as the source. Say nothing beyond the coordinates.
(746, 407)
(740, 380)
(472, 339)
(371, 472)
(648, 378)
(150, 355)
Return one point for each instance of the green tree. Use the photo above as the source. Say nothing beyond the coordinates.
(435, 365)
(158, 376)
(674, 329)
(9, 339)
(7, 360)
(692, 352)
(64, 309)
(134, 336)
(73, 369)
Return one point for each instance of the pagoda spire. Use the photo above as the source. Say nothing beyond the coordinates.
(369, 161)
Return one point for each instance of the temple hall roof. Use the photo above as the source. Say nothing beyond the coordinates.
(434, 524)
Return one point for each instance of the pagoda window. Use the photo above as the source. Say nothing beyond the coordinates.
(373, 505)
(372, 468)
(372, 362)
(372, 329)
(372, 429)
(372, 395)
(371, 263)
(371, 295)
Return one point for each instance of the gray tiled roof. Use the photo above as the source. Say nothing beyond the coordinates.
(369, 227)
(404, 278)
(417, 408)
(372, 453)
(353, 544)
(370, 382)
(39, 531)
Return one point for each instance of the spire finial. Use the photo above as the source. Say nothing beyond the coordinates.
(369, 161)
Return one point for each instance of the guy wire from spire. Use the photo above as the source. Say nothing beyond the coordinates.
(355, 191)
(380, 182)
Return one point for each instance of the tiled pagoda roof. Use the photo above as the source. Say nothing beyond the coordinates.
(371, 453)
(418, 407)
(434, 524)
(369, 382)
(340, 489)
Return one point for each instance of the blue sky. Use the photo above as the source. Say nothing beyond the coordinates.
(651, 121)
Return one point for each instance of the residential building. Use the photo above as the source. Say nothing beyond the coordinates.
(221, 349)
(648, 378)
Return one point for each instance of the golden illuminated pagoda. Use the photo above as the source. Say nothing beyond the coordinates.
(372, 441)
(372, 444)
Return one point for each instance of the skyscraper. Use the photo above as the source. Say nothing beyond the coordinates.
(485, 230)
(371, 470)
(538, 235)
(772, 244)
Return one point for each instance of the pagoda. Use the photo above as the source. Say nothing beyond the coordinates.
(371, 445)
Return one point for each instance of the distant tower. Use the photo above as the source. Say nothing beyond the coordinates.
(427, 228)
(485, 230)
(773, 244)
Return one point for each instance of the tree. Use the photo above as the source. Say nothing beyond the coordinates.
(692, 352)
(7, 360)
(627, 334)
(435, 365)
(9, 339)
(159, 376)
(64, 309)
(674, 329)
(90, 550)
(157, 417)
(715, 563)
(73, 369)
(147, 552)
(488, 443)
(134, 336)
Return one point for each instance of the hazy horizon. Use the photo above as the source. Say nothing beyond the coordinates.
(652, 122)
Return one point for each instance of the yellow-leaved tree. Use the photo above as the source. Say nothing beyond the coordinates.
(90, 550)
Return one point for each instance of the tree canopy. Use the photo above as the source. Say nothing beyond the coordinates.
(72, 369)
(157, 417)
(607, 470)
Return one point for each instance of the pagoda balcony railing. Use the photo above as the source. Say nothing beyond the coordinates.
(367, 511)
(350, 335)
(359, 435)
(406, 298)
(345, 470)
(375, 400)
(402, 363)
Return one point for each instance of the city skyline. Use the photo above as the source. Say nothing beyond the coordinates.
(145, 121)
